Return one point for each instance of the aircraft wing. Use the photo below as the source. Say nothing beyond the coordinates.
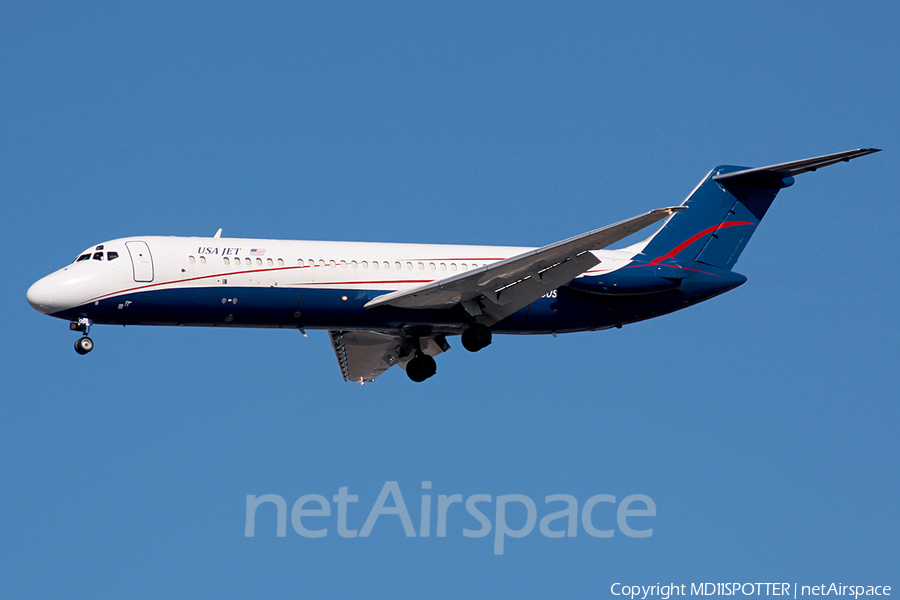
(364, 355)
(496, 291)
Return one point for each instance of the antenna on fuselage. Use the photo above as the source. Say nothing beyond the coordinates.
(218, 233)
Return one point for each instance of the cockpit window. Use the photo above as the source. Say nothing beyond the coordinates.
(112, 255)
(82, 257)
(98, 256)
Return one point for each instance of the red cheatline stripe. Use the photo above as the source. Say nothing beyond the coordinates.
(251, 272)
(673, 252)
(174, 281)
(309, 283)
(446, 259)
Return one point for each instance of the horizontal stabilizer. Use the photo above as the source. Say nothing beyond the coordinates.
(776, 173)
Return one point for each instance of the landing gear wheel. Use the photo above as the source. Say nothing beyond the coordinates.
(476, 337)
(421, 368)
(84, 345)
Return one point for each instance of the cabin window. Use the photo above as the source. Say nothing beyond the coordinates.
(374, 264)
(421, 266)
(202, 260)
(332, 263)
(280, 262)
(299, 262)
(397, 265)
(247, 261)
(270, 262)
(98, 256)
(443, 266)
(365, 264)
(112, 255)
(191, 259)
(431, 266)
(464, 267)
(386, 265)
(321, 262)
(353, 264)
(227, 260)
(452, 266)
(344, 264)
(258, 262)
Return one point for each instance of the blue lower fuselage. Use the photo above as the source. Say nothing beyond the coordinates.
(587, 303)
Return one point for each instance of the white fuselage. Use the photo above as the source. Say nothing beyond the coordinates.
(184, 263)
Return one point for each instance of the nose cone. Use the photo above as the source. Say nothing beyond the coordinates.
(40, 296)
(68, 288)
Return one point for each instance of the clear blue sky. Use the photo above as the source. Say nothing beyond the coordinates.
(763, 424)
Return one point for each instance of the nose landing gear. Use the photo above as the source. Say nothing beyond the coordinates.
(84, 344)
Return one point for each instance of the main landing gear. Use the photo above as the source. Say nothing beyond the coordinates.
(84, 343)
(421, 367)
(476, 337)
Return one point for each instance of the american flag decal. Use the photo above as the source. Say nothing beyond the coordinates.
(257, 252)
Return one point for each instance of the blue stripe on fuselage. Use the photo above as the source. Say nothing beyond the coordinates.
(316, 308)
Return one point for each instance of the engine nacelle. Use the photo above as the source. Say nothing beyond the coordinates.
(636, 279)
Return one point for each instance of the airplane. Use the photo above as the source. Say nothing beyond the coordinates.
(396, 304)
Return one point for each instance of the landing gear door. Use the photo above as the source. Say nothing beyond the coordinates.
(141, 260)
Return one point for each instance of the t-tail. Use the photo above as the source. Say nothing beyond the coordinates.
(725, 209)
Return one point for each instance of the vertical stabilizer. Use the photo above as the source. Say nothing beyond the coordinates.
(725, 209)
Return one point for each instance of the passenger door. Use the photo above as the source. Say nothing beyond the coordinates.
(141, 261)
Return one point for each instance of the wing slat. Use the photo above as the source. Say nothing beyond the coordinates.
(364, 355)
